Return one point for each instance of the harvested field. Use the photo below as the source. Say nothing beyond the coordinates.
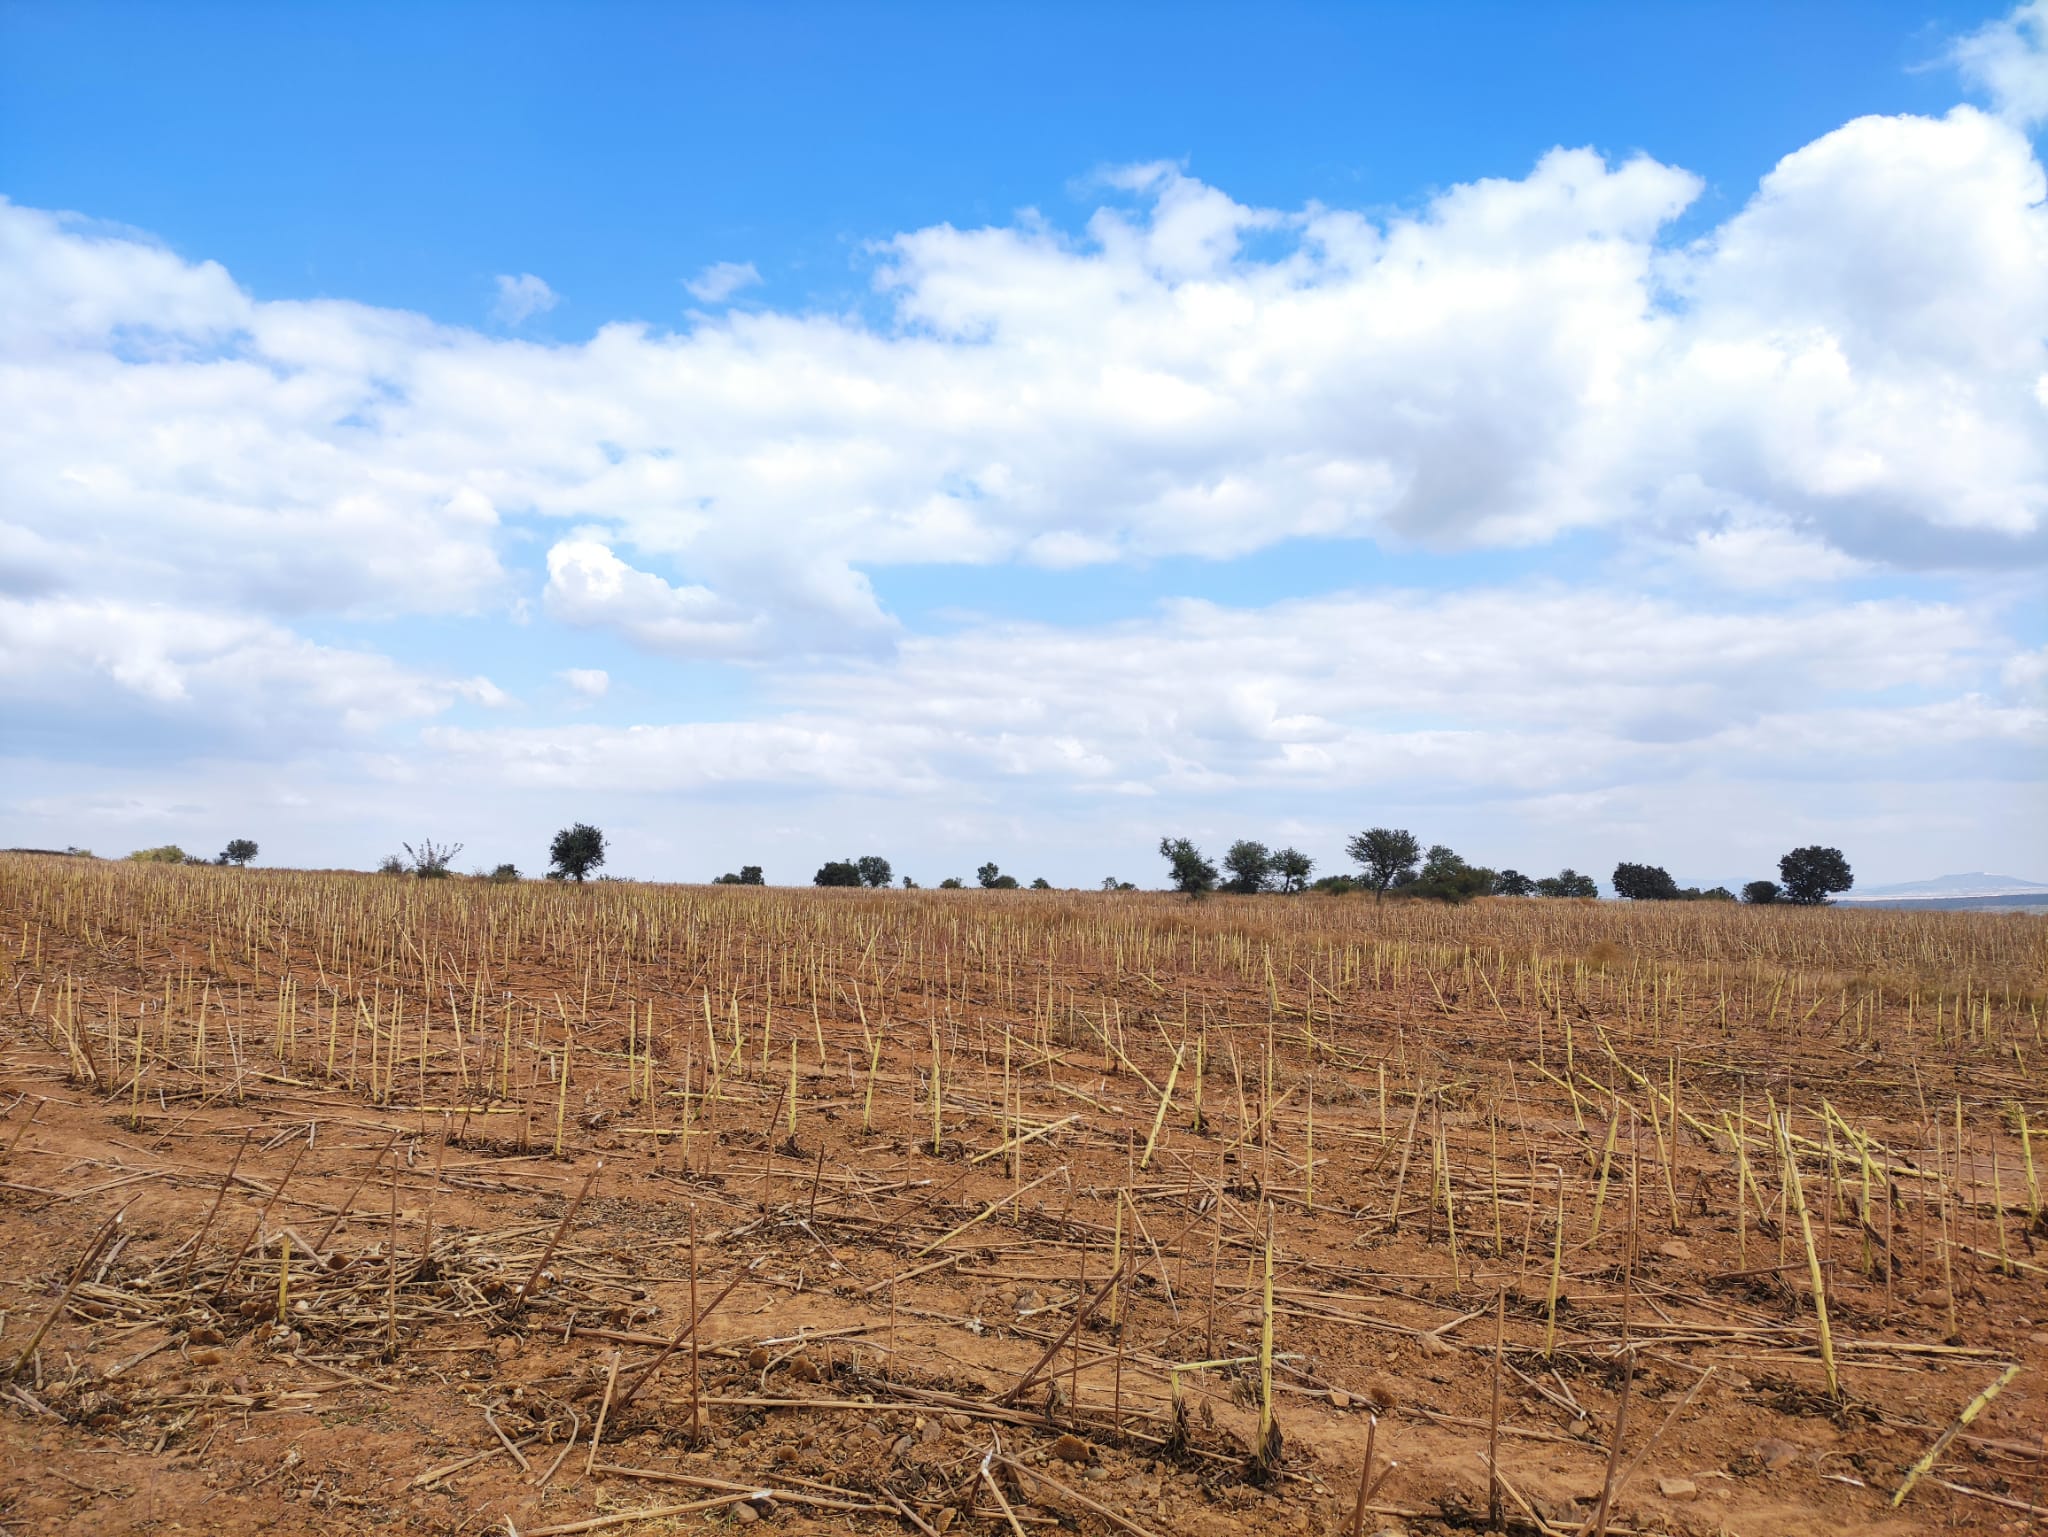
(353, 1203)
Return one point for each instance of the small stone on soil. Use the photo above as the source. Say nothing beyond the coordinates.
(1774, 1453)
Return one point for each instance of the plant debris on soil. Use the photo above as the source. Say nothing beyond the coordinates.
(363, 1204)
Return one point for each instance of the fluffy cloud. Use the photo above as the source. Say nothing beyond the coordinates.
(85, 661)
(1500, 692)
(1853, 360)
(521, 298)
(72, 283)
(1874, 386)
(590, 682)
(2008, 60)
(1760, 552)
(590, 586)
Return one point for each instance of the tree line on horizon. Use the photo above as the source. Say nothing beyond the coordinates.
(239, 852)
(1393, 859)
(1389, 859)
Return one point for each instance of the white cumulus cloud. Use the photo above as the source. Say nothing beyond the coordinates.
(1496, 691)
(82, 661)
(1853, 357)
(2007, 59)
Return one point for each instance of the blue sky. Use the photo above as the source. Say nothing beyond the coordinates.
(403, 155)
(1580, 433)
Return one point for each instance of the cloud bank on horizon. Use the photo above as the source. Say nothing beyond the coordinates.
(1744, 524)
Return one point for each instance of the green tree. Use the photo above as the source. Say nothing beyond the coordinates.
(952, 883)
(505, 875)
(1762, 893)
(1812, 874)
(1445, 877)
(1644, 883)
(1040, 883)
(1250, 864)
(1386, 854)
(1567, 883)
(837, 872)
(577, 851)
(1293, 868)
(1513, 883)
(993, 879)
(238, 852)
(1190, 873)
(162, 854)
(874, 870)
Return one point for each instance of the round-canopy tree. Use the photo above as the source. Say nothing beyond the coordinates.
(1812, 874)
(1191, 874)
(1386, 853)
(238, 852)
(1293, 868)
(1250, 864)
(577, 851)
(1644, 883)
(1567, 883)
(1446, 877)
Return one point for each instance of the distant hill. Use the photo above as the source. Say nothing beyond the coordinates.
(1947, 887)
(1976, 889)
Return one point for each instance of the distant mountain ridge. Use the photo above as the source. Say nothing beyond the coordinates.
(1975, 884)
